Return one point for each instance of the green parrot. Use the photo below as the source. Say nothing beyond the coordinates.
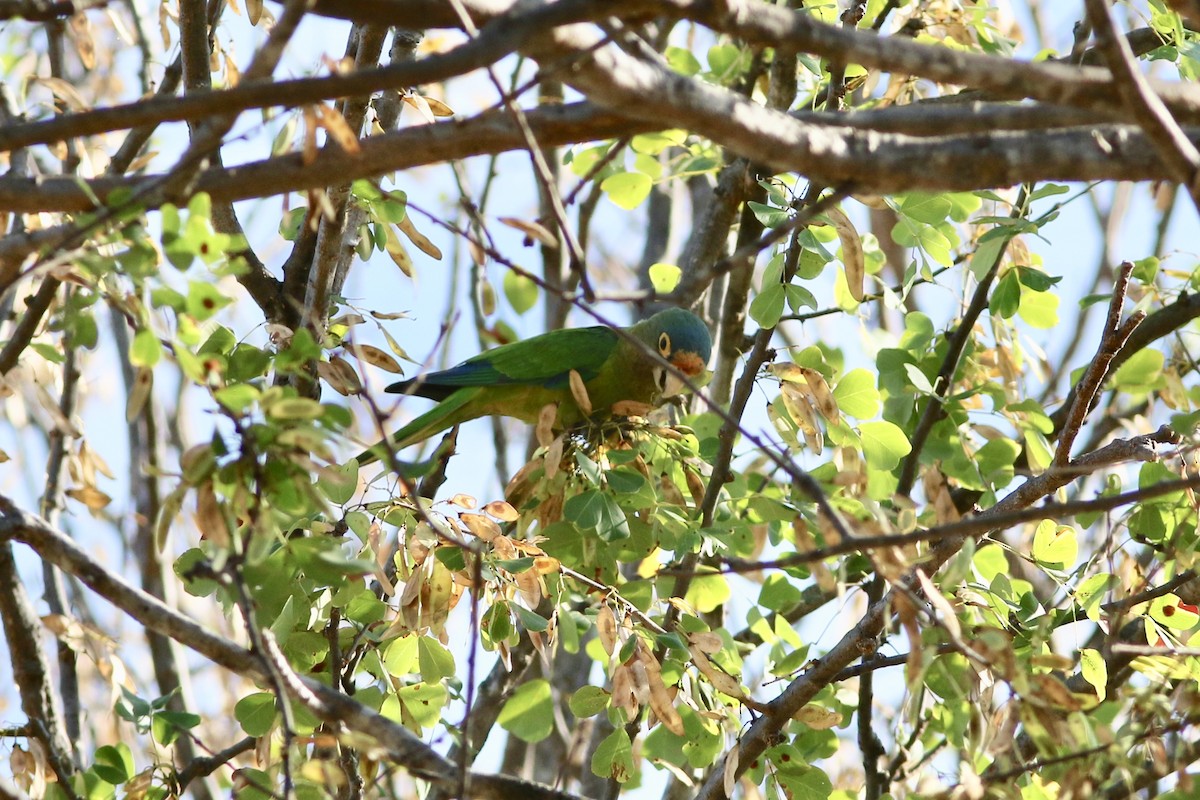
(521, 378)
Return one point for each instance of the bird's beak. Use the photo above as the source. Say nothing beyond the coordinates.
(687, 363)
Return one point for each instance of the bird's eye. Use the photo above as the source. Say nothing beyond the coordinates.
(664, 344)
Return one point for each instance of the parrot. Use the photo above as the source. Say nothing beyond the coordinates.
(521, 378)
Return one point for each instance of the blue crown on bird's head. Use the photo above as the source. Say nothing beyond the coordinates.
(691, 343)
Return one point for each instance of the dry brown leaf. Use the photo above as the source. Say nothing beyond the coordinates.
(164, 30)
(544, 431)
(210, 518)
(530, 586)
(254, 11)
(631, 408)
(729, 778)
(93, 463)
(463, 501)
(338, 373)
(520, 487)
(80, 29)
(787, 372)
(61, 423)
(375, 357)
(938, 492)
(821, 394)
(419, 239)
(90, 496)
(534, 230)
(670, 492)
(852, 252)
(70, 97)
(1052, 691)
(141, 162)
(483, 527)
(437, 107)
(721, 681)
(624, 695)
(580, 393)
(233, 75)
(606, 629)
(502, 511)
(695, 485)
(394, 346)
(946, 612)
(707, 641)
(420, 104)
(660, 698)
(546, 565)
(308, 153)
(397, 252)
(478, 253)
(817, 718)
(338, 129)
(143, 383)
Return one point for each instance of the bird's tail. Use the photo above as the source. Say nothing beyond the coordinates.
(443, 416)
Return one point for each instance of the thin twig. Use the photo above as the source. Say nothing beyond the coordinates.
(1170, 142)
(1113, 339)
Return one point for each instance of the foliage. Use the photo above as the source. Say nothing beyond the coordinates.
(928, 529)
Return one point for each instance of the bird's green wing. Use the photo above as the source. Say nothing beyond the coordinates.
(545, 360)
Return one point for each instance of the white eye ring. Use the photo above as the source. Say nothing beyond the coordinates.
(664, 343)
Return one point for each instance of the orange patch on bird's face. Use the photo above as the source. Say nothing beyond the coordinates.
(689, 364)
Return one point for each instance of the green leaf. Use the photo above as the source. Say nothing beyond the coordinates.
(424, 702)
(531, 620)
(1140, 371)
(1095, 671)
(1037, 450)
(436, 662)
(255, 713)
(1006, 297)
(768, 216)
(1090, 594)
(529, 713)
(596, 512)
(295, 408)
(114, 764)
(1168, 612)
(778, 593)
(627, 189)
(166, 726)
(1035, 279)
(664, 277)
(238, 398)
(928, 208)
(521, 291)
(722, 58)
(1145, 269)
(857, 396)
(1055, 545)
(588, 701)
(682, 61)
(884, 444)
(204, 299)
(767, 306)
(146, 349)
(614, 757)
(400, 655)
(1039, 309)
(708, 592)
